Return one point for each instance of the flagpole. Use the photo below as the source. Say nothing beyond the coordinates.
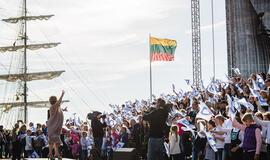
(150, 67)
(213, 40)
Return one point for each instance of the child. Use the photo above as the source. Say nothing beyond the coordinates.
(28, 143)
(209, 152)
(115, 137)
(266, 124)
(252, 137)
(225, 131)
(198, 144)
(75, 149)
(124, 136)
(174, 143)
(84, 146)
(219, 120)
(237, 137)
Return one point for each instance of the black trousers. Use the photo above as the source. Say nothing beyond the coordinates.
(16, 150)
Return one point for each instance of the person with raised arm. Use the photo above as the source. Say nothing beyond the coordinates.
(252, 137)
(55, 124)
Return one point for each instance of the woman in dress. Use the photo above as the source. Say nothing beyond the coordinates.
(55, 123)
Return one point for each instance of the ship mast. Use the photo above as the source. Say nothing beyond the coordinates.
(25, 64)
(25, 76)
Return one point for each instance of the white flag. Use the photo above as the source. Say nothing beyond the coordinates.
(119, 145)
(245, 103)
(236, 71)
(173, 87)
(205, 112)
(232, 110)
(255, 85)
(261, 82)
(229, 78)
(187, 81)
(185, 123)
(34, 155)
(254, 92)
(262, 101)
(167, 148)
(211, 141)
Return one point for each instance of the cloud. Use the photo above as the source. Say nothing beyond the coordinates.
(209, 27)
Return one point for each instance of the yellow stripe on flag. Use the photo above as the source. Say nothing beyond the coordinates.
(163, 42)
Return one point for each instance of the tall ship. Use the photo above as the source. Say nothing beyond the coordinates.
(15, 103)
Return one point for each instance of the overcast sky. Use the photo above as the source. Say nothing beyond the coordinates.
(105, 49)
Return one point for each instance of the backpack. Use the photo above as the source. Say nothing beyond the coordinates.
(235, 138)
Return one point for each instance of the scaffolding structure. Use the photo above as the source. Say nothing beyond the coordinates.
(196, 43)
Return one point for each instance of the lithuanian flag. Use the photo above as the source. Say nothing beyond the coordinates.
(162, 49)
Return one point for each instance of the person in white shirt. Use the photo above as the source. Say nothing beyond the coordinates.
(28, 143)
(32, 127)
(226, 132)
(174, 143)
(209, 152)
(219, 120)
(84, 145)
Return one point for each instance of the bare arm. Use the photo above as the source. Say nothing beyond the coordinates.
(60, 99)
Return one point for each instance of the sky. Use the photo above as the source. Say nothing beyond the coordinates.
(105, 50)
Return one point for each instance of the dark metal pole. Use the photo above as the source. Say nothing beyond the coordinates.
(25, 69)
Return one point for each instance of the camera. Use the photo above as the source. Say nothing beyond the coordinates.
(93, 115)
(103, 116)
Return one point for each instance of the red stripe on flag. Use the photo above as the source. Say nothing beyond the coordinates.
(162, 57)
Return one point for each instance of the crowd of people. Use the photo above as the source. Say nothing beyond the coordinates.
(226, 120)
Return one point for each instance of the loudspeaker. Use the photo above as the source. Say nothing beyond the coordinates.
(124, 154)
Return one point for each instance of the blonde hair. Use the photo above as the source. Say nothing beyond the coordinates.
(174, 130)
(259, 114)
(264, 93)
(221, 118)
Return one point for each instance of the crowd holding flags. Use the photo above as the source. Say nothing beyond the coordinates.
(207, 120)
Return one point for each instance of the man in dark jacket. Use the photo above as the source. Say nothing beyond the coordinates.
(157, 119)
(138, 133)
(98, 131)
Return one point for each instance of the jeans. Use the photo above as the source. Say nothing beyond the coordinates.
(195, 154)
(248, 155)
(84, 155)
(226, 155)
(98, 142)
(156, 149)
(219, 154)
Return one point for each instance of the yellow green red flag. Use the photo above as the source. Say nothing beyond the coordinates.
(162, 49)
